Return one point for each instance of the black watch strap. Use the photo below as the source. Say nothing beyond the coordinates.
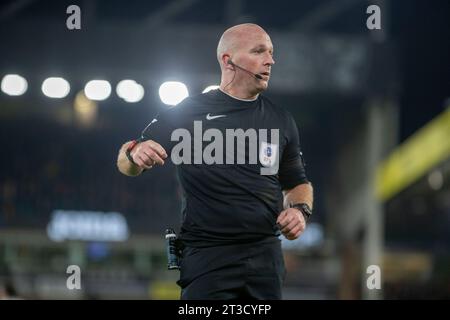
(304, 209)
(128, 151)
(130, 158)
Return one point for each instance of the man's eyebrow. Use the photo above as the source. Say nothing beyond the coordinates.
(262, 46)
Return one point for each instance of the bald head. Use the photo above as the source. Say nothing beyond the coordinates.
(235, 37)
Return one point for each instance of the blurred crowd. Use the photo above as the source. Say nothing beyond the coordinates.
(51, 166)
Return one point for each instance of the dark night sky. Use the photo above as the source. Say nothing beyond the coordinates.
(422, 31)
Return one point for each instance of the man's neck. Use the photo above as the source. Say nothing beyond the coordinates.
(238, 94)
(236, 97)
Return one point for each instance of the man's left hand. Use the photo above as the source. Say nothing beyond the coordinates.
(291, 223)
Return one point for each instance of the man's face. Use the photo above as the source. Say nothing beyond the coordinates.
(254, 53)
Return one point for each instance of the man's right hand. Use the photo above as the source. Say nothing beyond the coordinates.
(148, 153)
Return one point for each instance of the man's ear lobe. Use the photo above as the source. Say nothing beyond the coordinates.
(226, 60)
(228, 63)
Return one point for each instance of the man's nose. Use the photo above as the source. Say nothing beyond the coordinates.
(269, 61)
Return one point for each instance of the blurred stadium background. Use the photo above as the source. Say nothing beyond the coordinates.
(374, 118)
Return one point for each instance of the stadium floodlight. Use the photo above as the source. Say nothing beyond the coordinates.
(130, 91)
(97, 90)
(14, 85)
(55, 87)
(209, 88)
(173, 92)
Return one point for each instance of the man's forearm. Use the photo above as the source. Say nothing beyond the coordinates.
(124, 165)
(303, 193)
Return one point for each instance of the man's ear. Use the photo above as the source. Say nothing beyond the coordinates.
(227, 61)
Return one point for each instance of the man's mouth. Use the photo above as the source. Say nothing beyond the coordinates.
(265, 74)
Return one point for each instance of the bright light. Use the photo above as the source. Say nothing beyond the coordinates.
(130, 91)
(97, 89)
(209, 88)
(87, 226)
(172, 92)
(85, 110)
(14, 85)
(83, 105)
(55, 87)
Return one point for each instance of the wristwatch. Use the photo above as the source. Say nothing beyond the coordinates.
(304, 209)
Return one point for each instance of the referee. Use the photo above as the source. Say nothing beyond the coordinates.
(233, 210)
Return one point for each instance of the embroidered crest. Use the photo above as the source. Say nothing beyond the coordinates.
(268, 154)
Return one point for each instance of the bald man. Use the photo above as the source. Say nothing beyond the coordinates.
(242, 173)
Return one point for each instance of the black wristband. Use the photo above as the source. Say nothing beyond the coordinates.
(304, 209)
(130, 158)
(128, 151)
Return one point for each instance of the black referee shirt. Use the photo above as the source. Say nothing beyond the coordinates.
(229, 201)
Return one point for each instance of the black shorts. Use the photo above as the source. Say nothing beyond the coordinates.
(244, 271)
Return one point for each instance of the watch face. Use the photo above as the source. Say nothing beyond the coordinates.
(306, 208)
